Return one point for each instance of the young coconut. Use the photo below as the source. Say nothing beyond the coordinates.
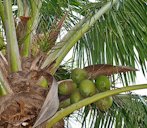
(75, 97)
(78, 75)
(104, 104)
(102, 83)
(87, 88)
(66, 87)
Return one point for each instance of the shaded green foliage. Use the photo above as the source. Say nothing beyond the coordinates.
(62, 73)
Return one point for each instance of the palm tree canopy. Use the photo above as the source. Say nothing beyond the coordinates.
(117, 36)
(120, 34)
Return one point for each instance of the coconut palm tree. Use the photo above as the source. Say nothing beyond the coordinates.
(36, 37)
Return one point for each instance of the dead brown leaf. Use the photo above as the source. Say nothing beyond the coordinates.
(106, 69)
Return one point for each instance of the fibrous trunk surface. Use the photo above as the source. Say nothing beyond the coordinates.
(21, 108)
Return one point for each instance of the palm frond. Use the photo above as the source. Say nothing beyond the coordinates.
(128, 110)
(119, 37)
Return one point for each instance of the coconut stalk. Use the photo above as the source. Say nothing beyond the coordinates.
(54, 51)
(31, 26)
(12, 44)
(2, 12)
(20, 8)
(70, 41)
(5, 85)
(65, 112)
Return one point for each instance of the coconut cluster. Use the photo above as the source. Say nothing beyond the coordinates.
(81, 87)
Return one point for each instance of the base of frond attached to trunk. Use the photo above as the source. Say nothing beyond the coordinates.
(22, 108)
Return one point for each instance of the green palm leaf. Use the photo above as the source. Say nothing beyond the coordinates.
(119, 37)
(127, 111)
